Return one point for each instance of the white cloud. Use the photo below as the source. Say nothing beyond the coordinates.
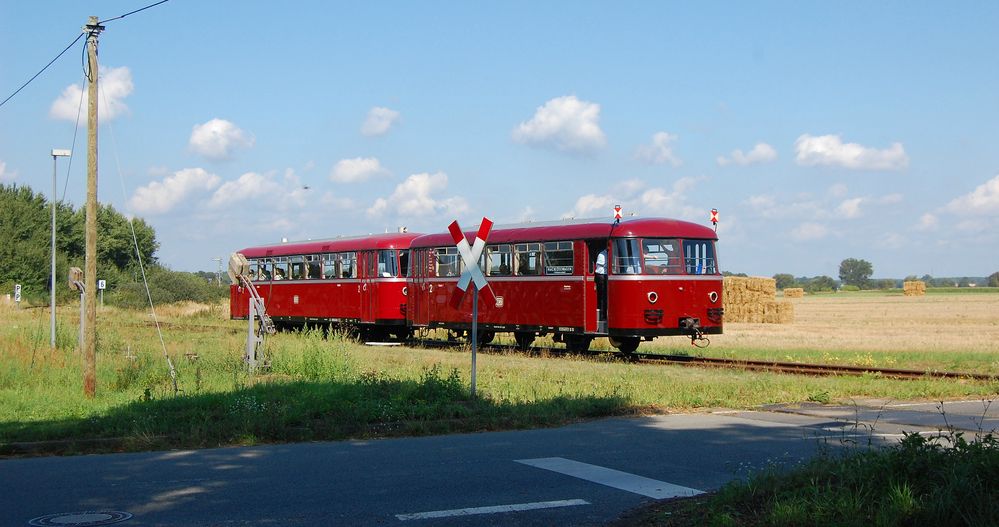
(217, 139)
(415, 197)
(357, 170)
(592, 205)
(565, 123)
(983, 200)
(248, 186)
(761, 153)
(159, 197)
(809, 231)
(652, 202)
(660, 151)
(379, 121)
(115, 85)
(6, 177)
(850, 208)
(830, 150)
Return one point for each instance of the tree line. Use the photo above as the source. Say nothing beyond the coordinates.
(25, 253)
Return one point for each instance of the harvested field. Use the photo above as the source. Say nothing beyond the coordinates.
(844, 321)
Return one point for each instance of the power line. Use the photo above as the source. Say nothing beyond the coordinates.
(78, 37)
(133, 12)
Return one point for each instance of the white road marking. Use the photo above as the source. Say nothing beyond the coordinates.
(612, 478)
(491, 510)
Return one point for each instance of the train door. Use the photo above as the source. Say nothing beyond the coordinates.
(369, 287)
(420, 293)
(595, 280)
(624, 259)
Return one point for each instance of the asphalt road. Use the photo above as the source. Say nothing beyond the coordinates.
(583, 474)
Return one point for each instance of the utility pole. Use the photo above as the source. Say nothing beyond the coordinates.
(218, 275)
(93, 30)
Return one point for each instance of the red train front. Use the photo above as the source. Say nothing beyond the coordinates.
(662, 278)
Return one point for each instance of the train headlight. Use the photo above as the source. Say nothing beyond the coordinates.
(713, 296)
(404, 290)
(653, 297)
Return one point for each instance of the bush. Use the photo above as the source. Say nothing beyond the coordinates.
(165, 286)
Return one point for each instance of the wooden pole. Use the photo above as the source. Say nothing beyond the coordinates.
(90, 268)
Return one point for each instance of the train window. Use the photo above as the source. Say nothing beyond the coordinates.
(348, 265)
(312, 266)
(448, 261)
(662, 256)
(280, 268)
(500, 260)
(263, 270)
(297, 265)
(330, 265)
(626, 256)
(699, 257)
(387, 263)
(403, 263)
(528, 262)
(558, 258)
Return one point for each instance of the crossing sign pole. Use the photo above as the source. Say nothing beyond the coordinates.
(471, 274)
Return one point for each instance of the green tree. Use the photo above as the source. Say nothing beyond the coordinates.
(994, 279)
(855, 272)
(25, 227)
(784, 280)
(820, 283)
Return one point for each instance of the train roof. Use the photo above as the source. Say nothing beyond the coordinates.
(332, 245)
(580, 230)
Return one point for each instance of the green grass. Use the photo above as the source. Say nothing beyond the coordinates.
(335, 388)
(942, 481)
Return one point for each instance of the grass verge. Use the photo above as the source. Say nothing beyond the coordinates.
(946, 481)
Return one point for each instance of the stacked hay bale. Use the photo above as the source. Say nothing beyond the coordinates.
(794, 292)
(914, 288)
(754, 299)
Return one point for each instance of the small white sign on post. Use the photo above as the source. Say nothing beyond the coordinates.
(17, 294)
(102, 285)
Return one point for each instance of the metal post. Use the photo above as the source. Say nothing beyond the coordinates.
(52, 342)
(475, 331)
(83, 319)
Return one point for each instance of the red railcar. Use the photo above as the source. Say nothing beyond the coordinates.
(663, 279)
(358, 281)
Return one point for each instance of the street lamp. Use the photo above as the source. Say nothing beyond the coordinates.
(56, 153)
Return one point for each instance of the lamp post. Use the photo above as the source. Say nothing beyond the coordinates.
(56, 153)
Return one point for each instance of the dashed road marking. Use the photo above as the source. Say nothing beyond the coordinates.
(491, 510)
(612, 478)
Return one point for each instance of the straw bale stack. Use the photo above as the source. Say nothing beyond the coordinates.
(914, 288)
(754, 299)
(794, 292)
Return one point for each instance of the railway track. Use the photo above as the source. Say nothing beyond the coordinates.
(741, 364)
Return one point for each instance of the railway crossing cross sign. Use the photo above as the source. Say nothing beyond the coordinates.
(470, 258)
(714, 218)
(471, 273)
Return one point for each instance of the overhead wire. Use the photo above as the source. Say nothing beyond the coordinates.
(134, 12)
(35, 76)
(72, 149)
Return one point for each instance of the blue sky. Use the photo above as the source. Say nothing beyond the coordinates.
(821, 131)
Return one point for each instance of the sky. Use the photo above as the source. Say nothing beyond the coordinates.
(820, 131)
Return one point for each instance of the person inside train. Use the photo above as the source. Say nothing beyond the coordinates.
(279, 274)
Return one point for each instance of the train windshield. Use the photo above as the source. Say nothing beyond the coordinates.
(699, 257)
(662, 256)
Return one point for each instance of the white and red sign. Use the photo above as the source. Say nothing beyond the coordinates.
(470, 258)
(714, 216)
(617, 212)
